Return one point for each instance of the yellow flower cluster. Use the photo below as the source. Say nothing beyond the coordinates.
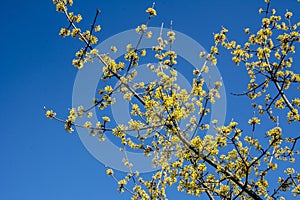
(50, 114)
(232, 162)
(151, 11)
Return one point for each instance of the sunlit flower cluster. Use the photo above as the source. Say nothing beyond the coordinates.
(228, 163)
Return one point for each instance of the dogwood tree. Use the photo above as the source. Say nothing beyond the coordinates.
(235, 162)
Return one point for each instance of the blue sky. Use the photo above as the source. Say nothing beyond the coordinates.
(39, 160)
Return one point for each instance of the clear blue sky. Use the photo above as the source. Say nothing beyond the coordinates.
(39, 160)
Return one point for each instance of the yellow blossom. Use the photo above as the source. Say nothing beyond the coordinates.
(143, 52)
(151, 11)
(106, 119)
(50, 114)
(97, 28)
(109, 172)
(113, 49)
